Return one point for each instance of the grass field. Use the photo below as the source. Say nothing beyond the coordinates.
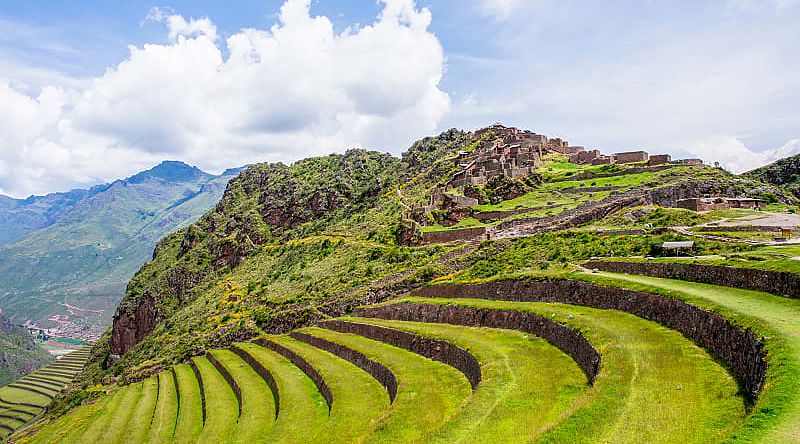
(359, 400)
(421, 382)
(189, 423)
(222, 409)
(779, 421)
(516, 400)
(303, 412)
(654, 386)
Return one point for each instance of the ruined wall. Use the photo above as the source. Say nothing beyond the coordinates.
(781, 283)
(436, 237)
(377, 370)
(302, 364)
(570, 341)
(435, 349)
(739, 348)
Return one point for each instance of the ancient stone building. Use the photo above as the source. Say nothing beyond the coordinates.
(720, 203)
(631, 157)
(659, 159)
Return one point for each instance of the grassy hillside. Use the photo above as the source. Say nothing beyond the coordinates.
(76, 268)
(784, 173)
(19, 354)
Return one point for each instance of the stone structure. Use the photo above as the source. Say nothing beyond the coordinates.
(720, 203)
(741, 349)
(443, 236)
(776, 282)
(380, 372)
(659, 159)
(435, 349)
(631, 157)
(568, 340)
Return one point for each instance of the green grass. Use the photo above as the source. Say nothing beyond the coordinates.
(776, 416)
(359, 401)
(166, 410)
(771, 258)
(258, 405)
(429, 393)
(189, 424)
(119, 417)
(303, 412)
(15, 395)
(98, 425)
(222, 409)
(138, 429)
(514, 388)
(654, 384)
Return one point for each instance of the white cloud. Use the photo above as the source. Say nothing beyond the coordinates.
(735, 156)
(296, 89)
(503, 10)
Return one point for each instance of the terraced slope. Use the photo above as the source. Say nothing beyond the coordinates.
(24, 399)
(780, 314)
(435, 369)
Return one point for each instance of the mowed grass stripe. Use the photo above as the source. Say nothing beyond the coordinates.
(48, 389)
(138, 428)
(429, 393)
(303, 411)
(654, 386)
(258, 407)
(98, 422)
(781, 315)
(527, 384)
(222, 409)
(121, 416)
(359, 401)
(14, 395)
(189, 424)
(166, 410)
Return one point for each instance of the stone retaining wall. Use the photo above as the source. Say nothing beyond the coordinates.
(262, 371)
(781, 283)
(568, 340)
(303, 365)
(199, 378)
(377, 370)
(741, 349)
(435, 349)
(229, 378)
(439, 237)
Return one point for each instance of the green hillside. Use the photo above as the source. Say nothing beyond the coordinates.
(361, 297)
(784, 173)
(77, 267)
(19, 354)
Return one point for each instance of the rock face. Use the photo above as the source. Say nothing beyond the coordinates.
(739, 348)
(781, 283)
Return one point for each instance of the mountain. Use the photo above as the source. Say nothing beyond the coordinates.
(19, 354)
(70, 273)
(784, 173)
(287, 245)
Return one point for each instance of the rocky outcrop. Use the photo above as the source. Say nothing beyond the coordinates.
(741, 349)
(781, 283)
(568, 340)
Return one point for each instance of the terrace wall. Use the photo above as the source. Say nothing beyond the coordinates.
(741, 349)
(436, 237)
(570, 341)
(435, 349)
(776, 282)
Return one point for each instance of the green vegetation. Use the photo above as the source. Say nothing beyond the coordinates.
(166, 409)
(421, 382)
(303, 412)
(359, 400)
(189, 423)
(784, 173)
(654, 386)
(258, 406)
(19, 354)
(776, 416)
(221, 408)
(514, 390)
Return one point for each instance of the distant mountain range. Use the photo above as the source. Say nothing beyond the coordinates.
(65, 257)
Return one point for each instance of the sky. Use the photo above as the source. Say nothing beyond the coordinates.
(92, 91)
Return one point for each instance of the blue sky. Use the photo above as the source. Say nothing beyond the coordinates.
(136, 82)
